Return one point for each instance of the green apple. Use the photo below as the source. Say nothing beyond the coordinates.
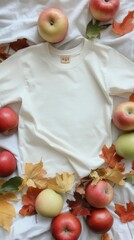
(124, 145)
(49, 203)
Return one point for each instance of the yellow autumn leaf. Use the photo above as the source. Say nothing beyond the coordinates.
(62, 183)
(113, 175)
(7, 210)
(34, 175)
(95, 176)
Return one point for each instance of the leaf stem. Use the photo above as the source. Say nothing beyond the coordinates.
(130, 230)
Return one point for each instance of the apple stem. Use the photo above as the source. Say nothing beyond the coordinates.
(130, 231)
(36, 218)
(52, 22)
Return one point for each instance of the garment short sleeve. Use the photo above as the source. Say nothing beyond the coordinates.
(11, 80)
(119, 74)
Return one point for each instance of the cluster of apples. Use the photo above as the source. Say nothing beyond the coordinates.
(65, 225)
(53, 23)
(99, 196)
(8, 126)
(123, 119)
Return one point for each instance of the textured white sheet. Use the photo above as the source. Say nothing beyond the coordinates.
(18, 19)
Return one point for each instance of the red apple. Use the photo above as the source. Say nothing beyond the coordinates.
(100, 221)
(99, 195)
(8, 121)
(123, 116)
(103, 10)
(52, 25)
(66, 226)
(7, 163)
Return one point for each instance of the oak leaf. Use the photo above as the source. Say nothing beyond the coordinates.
(28, 200)
(126, 26)
(126, 213)
(131, 98)
(19, 44)
(62, 183)
(111, 158)
(7, 210)
(79, 206)
(34, 176)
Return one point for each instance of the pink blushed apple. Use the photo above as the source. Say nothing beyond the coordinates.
(99, 195)
(123, 116)
(52, 25)
(103, 10)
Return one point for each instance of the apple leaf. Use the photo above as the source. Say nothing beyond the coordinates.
(7, 210)
(105, 236)
(126, 26)
(113, 175)
(11, 185)
(111, 158)
(28, 200)
(34, 175)
(131, 98)
(94, 28)
(126, 213)
(62, 183)
(3, 52)
(19, 44)
(79, 206)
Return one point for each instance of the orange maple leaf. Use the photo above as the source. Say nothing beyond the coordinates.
(126, 214)
(131, 98)
(105, 236)
(28, 200)
(111, 157)
(126, 26)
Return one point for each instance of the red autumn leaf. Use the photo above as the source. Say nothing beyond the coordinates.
(131, 98)
(79, 206)
(126, 214)
(3, 52)
(19, 44)
(126, 26)
(80, 187)
(111, 157)
(28, 200)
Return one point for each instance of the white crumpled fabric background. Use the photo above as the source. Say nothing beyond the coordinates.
(18, 19)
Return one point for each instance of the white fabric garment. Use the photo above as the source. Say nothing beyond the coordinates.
(66, 108)
(65, 113)
(18, 19)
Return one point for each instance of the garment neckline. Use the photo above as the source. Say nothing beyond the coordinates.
(68, 58)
